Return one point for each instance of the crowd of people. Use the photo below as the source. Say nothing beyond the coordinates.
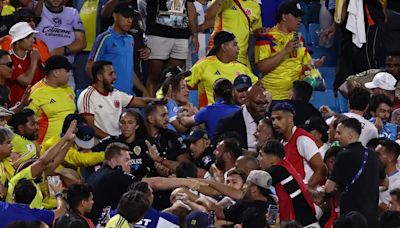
(97, 128)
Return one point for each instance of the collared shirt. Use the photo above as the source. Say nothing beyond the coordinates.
(251, 127)
(118, 49)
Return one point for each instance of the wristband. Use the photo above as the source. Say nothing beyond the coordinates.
(59, 194)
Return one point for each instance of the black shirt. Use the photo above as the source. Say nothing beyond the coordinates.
(141, 162)
(157, 15)
(393, 5)
(169, 144)
(362, 196)
(6, 22)
(5, 96)
(70, 220)
(303, 213)
(234, 213)
(108, 186)
(206, 159)
(303, 111)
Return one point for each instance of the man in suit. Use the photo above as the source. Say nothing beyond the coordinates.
(244, 122)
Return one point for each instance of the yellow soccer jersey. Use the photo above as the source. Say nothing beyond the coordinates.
(7, 170)
(117, 222)
(231, 18)
(51, 106)
(279, 81)
(209, 69)
(25, 173)
(27, 149)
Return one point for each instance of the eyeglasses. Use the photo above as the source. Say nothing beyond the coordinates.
(9, 64)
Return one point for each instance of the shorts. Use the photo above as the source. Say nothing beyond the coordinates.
(164, 48)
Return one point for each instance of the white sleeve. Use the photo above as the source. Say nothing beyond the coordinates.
(306, 147)
(125, 98)
(84, 103)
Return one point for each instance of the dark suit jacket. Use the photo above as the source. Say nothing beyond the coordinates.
(233, 123)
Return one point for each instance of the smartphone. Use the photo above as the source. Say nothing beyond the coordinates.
(53, 180)
(272, 214)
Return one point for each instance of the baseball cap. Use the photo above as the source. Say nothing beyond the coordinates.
(219, 39)
(317, 123)
(84, 136)
(20, 31)
(283, 106)
(57, 62)
(242, 81)
(24, 13)
(290, 6)
(5, 112)
(197, 219)
(175, 71)
(196, 135)
(260, 178)
(382, 80)
(125, 8)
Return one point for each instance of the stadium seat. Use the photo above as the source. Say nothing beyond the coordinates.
(313, 30)
(194, 97)
(325, 98)
(328, 73)
(304, 32)
(304, 7)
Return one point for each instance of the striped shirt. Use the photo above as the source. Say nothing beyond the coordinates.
(118, 222)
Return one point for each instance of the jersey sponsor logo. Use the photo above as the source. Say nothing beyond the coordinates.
(117, 104)
(52, 101)
(217, 72)
(233, 8)
(57, 21)
(206, 160)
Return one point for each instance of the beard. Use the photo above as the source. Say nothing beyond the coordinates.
(108, 87)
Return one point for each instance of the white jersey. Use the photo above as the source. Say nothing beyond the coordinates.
(394, 182)
(106, 108)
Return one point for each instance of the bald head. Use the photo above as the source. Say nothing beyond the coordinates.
(247, 163)
(258, 101)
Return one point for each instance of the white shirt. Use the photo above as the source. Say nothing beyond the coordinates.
(394, 182)
(251, 127)
(323, 149)
(368, 130)
(106, 108)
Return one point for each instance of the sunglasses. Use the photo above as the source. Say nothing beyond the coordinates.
(9, 64)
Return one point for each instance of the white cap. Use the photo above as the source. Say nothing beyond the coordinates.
(382, 80)
(260, 178)
(20, 31)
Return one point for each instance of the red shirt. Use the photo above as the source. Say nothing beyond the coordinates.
(20, 66)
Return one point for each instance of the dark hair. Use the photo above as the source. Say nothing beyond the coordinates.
(223, 88)
(21, 118)
(133, 205)
(359, 98)
(152, 107)
(24, 191)
(253, 218)
(186, 169)
(394, 53)
(353, 219)
(273, 147)
(236, 171)
(353, 124)
(98, 68)
(391, 147)
(76, 193)
(396, 192)
(4, 53)
(264, 191)
(24, 224)
(291, 224)
(142, 130)
(114, 150)
(5, 134)
(332, 152)
(373, 143)
(232, 146)
(338, 119)
(174, 82)
(377, 99)
(390, 219)
(139, 186)
(302, 90)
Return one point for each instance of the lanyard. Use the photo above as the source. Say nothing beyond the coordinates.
(358, 174)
